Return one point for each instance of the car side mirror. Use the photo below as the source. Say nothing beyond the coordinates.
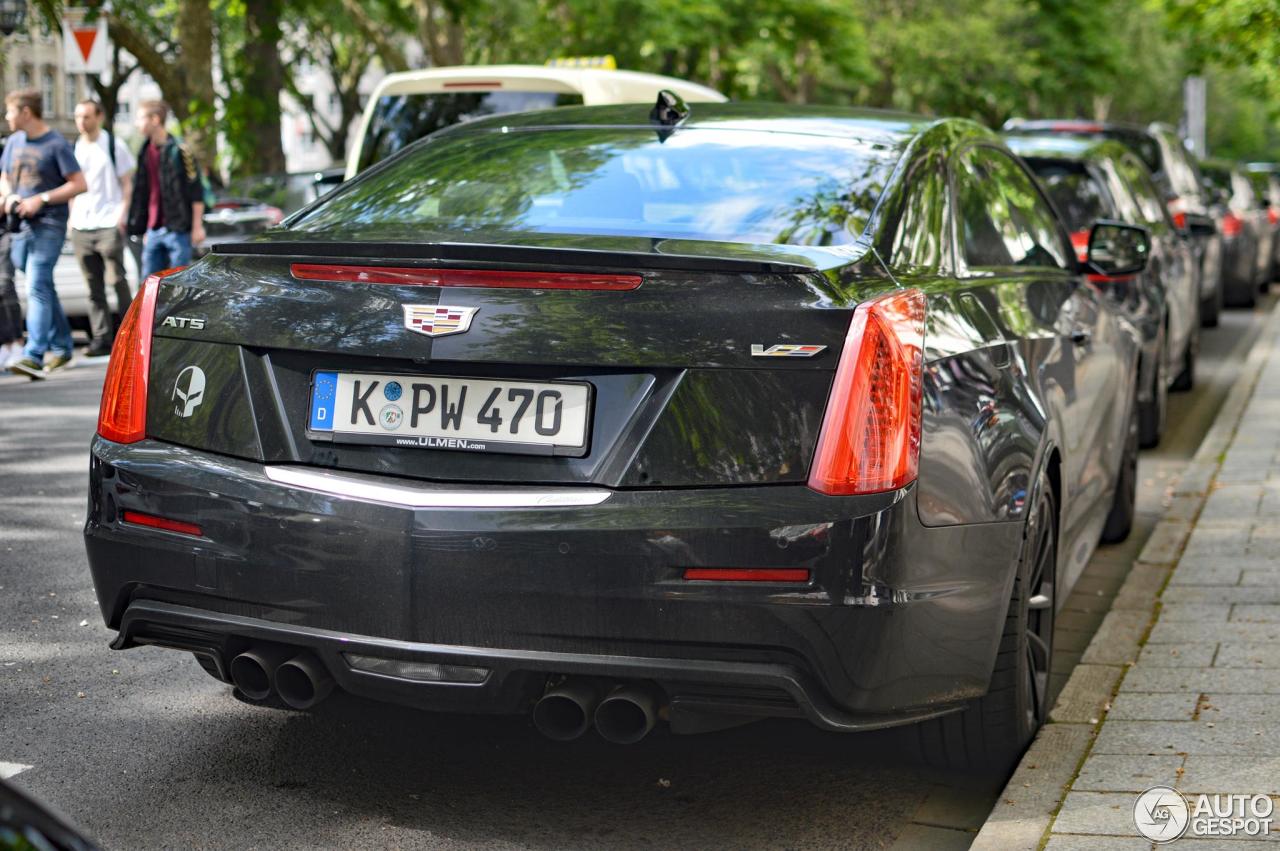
(1116, 248)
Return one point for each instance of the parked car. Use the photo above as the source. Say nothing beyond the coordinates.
(1265, 178)
(733, 412)
(1246, 232)
(1090, 179)
(410, 105)
(72, 290)
(1176, 174)
(235, 219)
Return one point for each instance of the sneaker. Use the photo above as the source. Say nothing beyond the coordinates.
(9, 353)
(58, 362)
(29, 367)
(98, 349)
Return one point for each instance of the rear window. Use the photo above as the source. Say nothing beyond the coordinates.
(398, 120)
(1081, 200)
(714, 183)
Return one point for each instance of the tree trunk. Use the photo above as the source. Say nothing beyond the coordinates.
(264, 80)
(109, 93)
(194, 65)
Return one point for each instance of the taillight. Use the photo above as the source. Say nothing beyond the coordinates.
(1273, 215)
(1080, 242)
(1232, 225)
(411, 276)
(122, 416)
(1178, 210)
(870, 439)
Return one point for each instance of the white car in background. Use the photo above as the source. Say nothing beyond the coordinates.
(72, 290)
(409, 105)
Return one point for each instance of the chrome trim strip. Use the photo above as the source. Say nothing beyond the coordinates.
(434, 496)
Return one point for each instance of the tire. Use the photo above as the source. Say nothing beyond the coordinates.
(1124, 505)
(1211, 308)
(993, 731)
(1186, 377)
(1153, 415)
(1187, 374)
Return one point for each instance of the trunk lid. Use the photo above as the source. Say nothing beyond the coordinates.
(674, 396)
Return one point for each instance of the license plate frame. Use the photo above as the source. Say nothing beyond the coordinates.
(325, 388)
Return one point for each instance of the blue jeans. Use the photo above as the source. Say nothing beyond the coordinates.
(163, 249)
(35, 251)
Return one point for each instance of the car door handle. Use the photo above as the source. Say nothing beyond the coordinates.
(1080, 337)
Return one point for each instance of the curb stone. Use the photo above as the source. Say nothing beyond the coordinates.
(1025, 812)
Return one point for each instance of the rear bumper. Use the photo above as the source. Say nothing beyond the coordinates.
(897, 622)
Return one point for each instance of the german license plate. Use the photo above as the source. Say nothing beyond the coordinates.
(449, 412)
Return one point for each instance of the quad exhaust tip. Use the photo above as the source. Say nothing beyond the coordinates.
(627, 714)
(252, 670)
(624, 716)
(303, 681)
(564, 712)
(299, 679)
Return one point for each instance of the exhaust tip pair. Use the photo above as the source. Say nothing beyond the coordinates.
(300, 679)
(624, 715)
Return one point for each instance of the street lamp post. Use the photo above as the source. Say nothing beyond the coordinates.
(13, 14)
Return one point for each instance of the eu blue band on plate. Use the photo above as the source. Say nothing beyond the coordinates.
(324, 391)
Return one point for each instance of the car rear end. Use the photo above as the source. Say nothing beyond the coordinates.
(1239, 237)
(486, 476)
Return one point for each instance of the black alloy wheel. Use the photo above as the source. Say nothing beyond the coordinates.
(1038, 631)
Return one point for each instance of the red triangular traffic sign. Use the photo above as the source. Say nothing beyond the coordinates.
(85, 37)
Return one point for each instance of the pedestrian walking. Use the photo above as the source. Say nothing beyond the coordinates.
(10, 309)
(167, 205)
(38, 176)
(98, 221)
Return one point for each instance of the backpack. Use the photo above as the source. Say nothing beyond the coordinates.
(193, 169)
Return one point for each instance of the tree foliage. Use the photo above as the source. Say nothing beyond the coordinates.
(984, 59)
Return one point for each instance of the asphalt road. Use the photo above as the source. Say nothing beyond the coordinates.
(143, 750)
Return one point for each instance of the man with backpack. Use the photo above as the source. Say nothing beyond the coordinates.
(167, 205)
(98, 219)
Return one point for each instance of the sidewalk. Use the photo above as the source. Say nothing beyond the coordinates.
(1181, 685)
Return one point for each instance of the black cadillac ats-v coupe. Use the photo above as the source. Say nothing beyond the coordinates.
(623, 417)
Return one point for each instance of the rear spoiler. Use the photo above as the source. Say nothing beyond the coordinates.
(524, 254)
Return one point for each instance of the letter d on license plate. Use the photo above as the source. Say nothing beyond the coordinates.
(449, 412)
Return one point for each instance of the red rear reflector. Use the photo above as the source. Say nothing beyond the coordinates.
(747, 574)
(408, 276)
(1076, 127)
(1080, 242)
(870, 439)
(1232, 225)
(122, 415)
(137, 518)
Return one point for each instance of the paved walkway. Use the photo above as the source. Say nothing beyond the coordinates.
(1181, 686)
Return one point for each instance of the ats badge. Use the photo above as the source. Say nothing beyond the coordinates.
(437, 320)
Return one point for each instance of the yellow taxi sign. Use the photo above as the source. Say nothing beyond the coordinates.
(607, 62)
